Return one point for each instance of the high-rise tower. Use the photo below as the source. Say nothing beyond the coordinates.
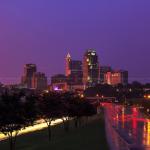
(68, 64)
(29, 70)
(39, 81)
(73, 71)
(91, 68)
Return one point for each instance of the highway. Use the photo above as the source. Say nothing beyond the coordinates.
(127, 128)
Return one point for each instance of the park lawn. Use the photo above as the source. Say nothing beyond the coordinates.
(88, 137)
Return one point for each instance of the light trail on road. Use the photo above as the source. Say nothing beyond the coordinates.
(34, 128)
(128, 127)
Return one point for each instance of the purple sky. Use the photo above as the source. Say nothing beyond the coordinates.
(43, 31)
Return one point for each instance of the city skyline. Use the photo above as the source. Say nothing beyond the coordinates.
(88, 71)
(41, 32)
(17, 80)
(74, 74)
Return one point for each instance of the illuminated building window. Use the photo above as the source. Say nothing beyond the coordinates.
(93, 54)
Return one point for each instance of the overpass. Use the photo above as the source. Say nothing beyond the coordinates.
(97, 99)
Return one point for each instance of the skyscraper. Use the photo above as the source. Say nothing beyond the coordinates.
(91, 68)
(29, 70)
(68, 64)
(39, 81)
(74, 71)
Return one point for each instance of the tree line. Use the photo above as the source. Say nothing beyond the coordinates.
(19, 110)
(120, 91)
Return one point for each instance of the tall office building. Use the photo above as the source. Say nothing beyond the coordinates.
(39, 81)
(116, 77)
(103, 71)
(29, 70)
(68, 64)
(91, 68)
(73, 71)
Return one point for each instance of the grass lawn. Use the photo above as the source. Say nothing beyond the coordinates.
(88, 137)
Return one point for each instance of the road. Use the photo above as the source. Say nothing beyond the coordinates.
(127, 128)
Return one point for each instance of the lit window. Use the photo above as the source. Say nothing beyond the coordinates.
(93, 54)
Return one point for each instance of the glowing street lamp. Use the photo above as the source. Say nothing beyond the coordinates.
(82, 95)
(97, 95)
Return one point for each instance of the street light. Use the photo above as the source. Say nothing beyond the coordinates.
(82, 95)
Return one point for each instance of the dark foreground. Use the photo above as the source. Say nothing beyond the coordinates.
(88, 137)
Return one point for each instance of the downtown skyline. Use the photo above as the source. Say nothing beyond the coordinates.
(75, 74)
(42, 33)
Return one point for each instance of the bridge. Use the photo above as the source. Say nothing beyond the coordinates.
(98, 100)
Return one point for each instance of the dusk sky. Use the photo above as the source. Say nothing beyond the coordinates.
(43, 31)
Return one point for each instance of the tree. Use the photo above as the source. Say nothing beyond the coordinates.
(65, 107)
(68, 108)
(105, 90)
(86, 110)
(16, 113)
(78, 108)
(50, 109)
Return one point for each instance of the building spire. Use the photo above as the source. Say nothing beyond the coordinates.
(68, 55)
(68, 61)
